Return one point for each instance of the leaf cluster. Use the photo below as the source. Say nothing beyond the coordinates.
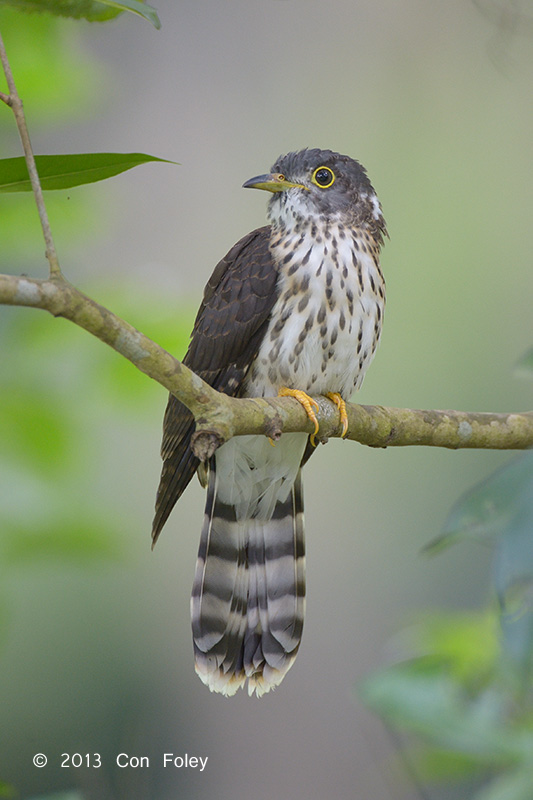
(463, 697)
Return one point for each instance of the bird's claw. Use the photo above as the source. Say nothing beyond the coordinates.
(341, 405)
(308, 404)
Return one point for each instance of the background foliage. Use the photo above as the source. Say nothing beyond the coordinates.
(95, 653)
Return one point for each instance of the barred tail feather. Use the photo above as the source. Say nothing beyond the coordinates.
(248, 597)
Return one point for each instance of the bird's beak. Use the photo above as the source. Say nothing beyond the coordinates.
(275, 182)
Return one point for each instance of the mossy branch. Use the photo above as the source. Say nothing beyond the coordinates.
(219, 417)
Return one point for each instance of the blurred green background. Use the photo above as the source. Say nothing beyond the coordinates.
(95, 651)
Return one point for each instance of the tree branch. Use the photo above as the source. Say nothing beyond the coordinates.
(15, 103)
(219, 417)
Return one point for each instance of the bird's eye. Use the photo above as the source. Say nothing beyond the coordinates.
(323, 177)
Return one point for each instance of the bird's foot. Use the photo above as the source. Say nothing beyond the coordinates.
(341, 405)
(307, 402)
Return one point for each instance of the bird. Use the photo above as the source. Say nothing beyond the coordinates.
(295, 309)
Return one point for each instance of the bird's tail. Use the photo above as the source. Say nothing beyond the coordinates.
(248, 597)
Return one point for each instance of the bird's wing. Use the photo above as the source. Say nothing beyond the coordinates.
(227, 333)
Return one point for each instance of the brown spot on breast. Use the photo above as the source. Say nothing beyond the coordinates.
(307, 256)
(309, 322)
(303, 302)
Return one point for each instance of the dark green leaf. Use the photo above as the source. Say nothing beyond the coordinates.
(66, 171)
(91, 10)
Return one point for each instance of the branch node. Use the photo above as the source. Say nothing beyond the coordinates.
(204, 443)
(273, 428)
(7, 99)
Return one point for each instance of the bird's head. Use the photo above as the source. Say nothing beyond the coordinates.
(320, 187)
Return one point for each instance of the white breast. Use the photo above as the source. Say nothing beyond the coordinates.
(325, 325)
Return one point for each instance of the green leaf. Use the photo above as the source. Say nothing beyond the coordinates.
(421, 697)
(500, 509)
(467, 642)
(91, 10)
(66, 171)
(493, 507)
(136, 7)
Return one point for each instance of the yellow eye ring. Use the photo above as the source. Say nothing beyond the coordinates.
(323, 177)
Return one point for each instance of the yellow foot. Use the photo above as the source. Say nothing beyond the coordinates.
(307, 402)
(341, 405)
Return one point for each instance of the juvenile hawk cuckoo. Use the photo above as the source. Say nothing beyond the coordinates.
(296, 308)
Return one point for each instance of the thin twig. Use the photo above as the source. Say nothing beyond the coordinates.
(13, 100)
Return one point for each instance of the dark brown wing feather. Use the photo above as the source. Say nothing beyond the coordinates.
(228, 330)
